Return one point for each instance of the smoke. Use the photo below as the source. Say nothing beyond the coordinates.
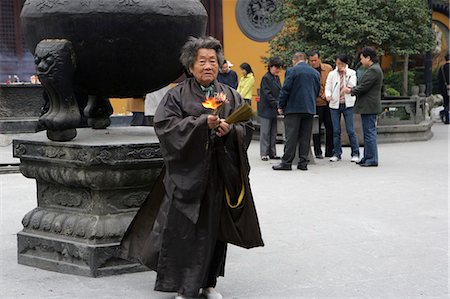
(11, 65)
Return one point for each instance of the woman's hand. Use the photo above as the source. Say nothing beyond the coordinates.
(223, 128)
(213, 121)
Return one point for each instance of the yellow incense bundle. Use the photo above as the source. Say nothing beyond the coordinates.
(243, 113)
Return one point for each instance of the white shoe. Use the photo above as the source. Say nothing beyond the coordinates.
(180, 297)
(211, 293)
(355, 159)
(334, 159)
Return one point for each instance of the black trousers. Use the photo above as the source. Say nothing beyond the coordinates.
(298, 127)
(324, 118)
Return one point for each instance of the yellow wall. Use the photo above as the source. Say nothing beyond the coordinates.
(239, 48)
(120, 106)
(439, 58)
(440, 17)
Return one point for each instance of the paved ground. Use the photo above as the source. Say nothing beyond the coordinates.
(335, 231)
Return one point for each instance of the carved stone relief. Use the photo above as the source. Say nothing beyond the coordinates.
(89, 2)
(129, 2)
(57, 196)
(77, 225)
(87, 156)
(20, 149)
(53, 152)
(256, 19)
(145, 153)
(42, 4)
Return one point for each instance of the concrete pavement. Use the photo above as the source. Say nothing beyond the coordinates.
(335, 231)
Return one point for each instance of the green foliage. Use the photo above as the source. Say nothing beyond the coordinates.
(392, 92)
(344, 26)
(401, 114)
(410, 27)
(394, 80)
(419, 75)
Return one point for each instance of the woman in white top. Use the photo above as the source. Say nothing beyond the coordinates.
(342, 104)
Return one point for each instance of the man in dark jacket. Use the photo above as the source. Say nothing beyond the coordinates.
(227, 75)
(298, 104)
(368, 103)
(443, 79)
(267, 109)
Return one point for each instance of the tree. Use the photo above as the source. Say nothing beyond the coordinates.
(400, 27)
(410, 31)
(331, 27)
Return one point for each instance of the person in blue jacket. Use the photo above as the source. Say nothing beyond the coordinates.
(297, 102)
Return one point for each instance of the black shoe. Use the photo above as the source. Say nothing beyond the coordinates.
(274, 157)
(302, 167)
(281, 166)
(368, 165)
(362, 161)
(319, 156)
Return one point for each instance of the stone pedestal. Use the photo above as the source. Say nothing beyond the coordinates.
(88, 191)
(20, 107)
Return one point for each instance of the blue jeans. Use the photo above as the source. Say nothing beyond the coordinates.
(348, 118)
(369, 126)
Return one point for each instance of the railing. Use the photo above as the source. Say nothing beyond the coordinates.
(402, 110)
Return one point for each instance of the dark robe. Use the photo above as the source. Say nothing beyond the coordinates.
(186, 243)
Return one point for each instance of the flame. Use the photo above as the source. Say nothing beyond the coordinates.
(212, 103)
(216, 101)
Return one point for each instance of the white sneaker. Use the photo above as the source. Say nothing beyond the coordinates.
(355, 159)
(334, 159)
(211, 293)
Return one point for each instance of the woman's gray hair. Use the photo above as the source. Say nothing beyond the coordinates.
(191, 47)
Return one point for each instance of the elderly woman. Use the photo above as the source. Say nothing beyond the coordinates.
(205, 170)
